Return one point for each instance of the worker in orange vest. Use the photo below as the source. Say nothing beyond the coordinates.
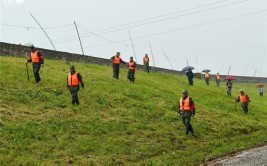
(244, 100)
(218, 79)
(207, 77)
(74, 80)
(37, 62)
(146, 63)
(186, 109)
(116, 60)
(131, 69)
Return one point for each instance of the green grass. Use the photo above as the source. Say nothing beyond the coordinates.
(118, 122)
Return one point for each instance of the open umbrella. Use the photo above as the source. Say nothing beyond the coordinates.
(206, 70)
(187, 68)
(260, 85)
(229, 78)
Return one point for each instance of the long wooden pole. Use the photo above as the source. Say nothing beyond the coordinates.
(132, 46)
(152, 54)
(79, 36)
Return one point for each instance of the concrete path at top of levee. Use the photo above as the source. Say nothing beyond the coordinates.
(251, 157)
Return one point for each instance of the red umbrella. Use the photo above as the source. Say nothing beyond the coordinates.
(259, 85)
(229, 78)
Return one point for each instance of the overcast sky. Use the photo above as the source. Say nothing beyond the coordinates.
(208, 34)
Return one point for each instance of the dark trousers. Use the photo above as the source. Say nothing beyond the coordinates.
(36, 67)
(261, 93)
(190, 81)
(218, 82)
(131, 75)
(229, 91)
(207, 81)
(116, 71)
(245, 107)
(146, 67)
(186, 117)
(74, 94)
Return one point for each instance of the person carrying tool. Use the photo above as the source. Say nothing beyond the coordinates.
(37, 62)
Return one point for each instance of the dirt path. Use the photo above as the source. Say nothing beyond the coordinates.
(251, 157)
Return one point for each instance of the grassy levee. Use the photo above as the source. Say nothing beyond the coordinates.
(118, 122)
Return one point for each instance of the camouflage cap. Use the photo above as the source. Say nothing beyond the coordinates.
(184, 91)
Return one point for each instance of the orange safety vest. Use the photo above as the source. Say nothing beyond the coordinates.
(131, 65)
(244, 98)
(217, 77)
(73, 79)
(186, 106)
(146, 59)
(116, 60)
(34, 56)
(207, 75)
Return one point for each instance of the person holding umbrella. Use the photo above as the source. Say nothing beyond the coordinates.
(260, 86)
(229, 84)
(244, 99)
(189, 74)
(190, 77)
(186, 109)
(37, 62)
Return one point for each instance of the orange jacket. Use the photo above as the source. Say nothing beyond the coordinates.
(131, 65)
(73, 79)
(35, 57)
(186, 106)
(116, 60)
(146, 59)
(244, 98)
(217, 76)
(207, 75)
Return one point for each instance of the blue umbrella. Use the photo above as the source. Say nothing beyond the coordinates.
(187, 68)
(206, 70)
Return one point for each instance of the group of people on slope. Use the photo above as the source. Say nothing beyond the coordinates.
(131, 65)
(186, 107)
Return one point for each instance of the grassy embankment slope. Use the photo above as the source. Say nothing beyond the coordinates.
(118, 122)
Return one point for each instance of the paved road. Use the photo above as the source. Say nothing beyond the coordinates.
(251, 157)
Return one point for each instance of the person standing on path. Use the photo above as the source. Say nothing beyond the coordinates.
(146, 63)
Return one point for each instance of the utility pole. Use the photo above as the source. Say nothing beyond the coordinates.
(133, 46)
(44, 31)
(229, 69)
(79, 37)
(152, 54)
(167, 58)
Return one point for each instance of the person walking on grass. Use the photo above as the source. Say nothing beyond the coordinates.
(244, 100)
(186, 109)
(229, 88)
(146, 63)
(207, 77)
(74, 80)
(116, 60)
(261, 91)
(218, 79)
(131, 69)
(37, 62)
(190, 77)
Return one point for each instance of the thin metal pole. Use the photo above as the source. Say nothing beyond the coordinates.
(229, 69)
(196, 63)
(152, 54)
(79, 36)
(44, 32)
(187, 61)
(255, 72)
(167, 58)
(132, 46)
